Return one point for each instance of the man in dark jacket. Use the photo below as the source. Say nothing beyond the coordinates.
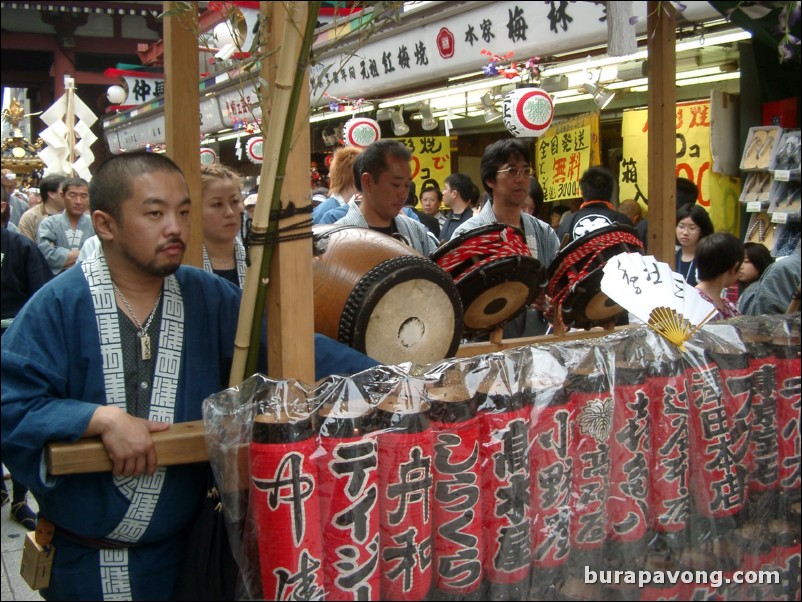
(597, 185)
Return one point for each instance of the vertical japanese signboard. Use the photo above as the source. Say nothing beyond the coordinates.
(717, 193)
(563, 154)
(431, 160)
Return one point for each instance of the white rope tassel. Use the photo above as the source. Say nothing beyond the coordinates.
(620, 33)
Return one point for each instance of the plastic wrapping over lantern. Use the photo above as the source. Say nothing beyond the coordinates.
(528, 112)
(361, 132)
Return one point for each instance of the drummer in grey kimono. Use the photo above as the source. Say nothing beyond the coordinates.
(61, 236)
(382, 174)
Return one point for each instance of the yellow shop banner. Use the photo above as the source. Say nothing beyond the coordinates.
(717, 193)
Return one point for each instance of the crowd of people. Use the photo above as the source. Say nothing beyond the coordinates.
(107, 334)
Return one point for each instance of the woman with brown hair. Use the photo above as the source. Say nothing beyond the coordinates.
(221, 216)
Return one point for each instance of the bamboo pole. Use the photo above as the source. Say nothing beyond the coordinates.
(296, 43)
(69, 120)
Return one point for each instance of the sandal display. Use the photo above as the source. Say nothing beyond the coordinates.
(787, 239)
(785, 198)
(760, 147)
(761, 229)
(757, 187)
(789, 155)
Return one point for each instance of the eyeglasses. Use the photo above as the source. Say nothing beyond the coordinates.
(517, 171)
(689, 229)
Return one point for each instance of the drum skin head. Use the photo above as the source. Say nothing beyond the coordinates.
(405, 309)
(495, 294)
(586, 306)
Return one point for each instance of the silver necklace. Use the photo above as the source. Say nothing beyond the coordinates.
(142, 331)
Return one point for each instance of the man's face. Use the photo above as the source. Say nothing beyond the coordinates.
(430, 203)
(154, 226)
(511, 188)
(448, 196)
(387, 195)
(76, 200)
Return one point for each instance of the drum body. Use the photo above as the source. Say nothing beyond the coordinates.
(383, 298)
(495, 274)
(576, 273)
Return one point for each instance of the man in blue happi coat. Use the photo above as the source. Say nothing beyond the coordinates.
(120, 347)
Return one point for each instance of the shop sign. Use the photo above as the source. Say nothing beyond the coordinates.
(431, 159)
(113, 142)
(240, 105)
(694, 160)
(564, 153)
(420, 55)
(140, 133)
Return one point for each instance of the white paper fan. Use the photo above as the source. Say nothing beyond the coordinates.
(657, 295)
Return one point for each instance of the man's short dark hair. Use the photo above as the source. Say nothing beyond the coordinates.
(113, 181)
(462, 184)
(497, 154)
(51, 183)
(597, 184)
(716, 254)
(373, 159)
(74, 182)
(687, 192)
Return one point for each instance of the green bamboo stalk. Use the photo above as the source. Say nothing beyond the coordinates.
(292, 67)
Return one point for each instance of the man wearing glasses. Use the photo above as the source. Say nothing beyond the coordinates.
(505, 170)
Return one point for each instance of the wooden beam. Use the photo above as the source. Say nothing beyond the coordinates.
(182, 126)
(662, 95)
(185, 443)
(290, 296)
(182, 443)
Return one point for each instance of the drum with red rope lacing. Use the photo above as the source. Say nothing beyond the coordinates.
(575, 276)
(495, 274)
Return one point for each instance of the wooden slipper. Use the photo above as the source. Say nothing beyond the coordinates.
(765, 187)
(756, 142)
(764, 152)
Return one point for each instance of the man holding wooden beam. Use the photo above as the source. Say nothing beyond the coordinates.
(120, 347)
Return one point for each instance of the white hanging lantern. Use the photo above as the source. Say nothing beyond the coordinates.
(208, 156)
(116, 94)
(528, 112)
(361, 132)
(254, 148)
